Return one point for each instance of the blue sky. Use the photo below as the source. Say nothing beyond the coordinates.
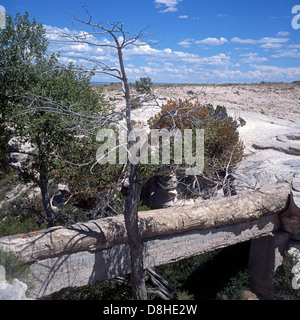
(199, 41)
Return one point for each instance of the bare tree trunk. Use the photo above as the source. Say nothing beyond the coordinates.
(43, 184)
(117, 33)
(46, 203)
(131, 206)
(126, 89)
(134, 237)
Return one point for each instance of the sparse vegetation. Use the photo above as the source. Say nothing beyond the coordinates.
(283, 278)
(223, 147)
(143, 85)
(15, 268)
(30, 79)
(196, 278)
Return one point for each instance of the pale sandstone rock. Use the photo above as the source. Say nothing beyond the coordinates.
(14, 290)
(248, 295)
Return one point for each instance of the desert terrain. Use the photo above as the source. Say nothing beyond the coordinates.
(271, 134)
(281, 100)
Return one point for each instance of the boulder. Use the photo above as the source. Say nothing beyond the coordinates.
(160, 192)
(18, 151)
(14, 290)
(291, 218)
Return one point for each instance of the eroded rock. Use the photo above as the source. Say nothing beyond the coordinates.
(15, 290)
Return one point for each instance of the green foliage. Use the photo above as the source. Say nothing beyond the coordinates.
(235, 286)
(144, 85)
(209, 275)
(179, 272)
(223, 148)
(143, 207)
(15, 268)
(22, 215)
(104, 290)
(282, 280)
(220, 131)
(184, 295)
(21, 43)
(42, 100)
(12, 225)
(135, 104)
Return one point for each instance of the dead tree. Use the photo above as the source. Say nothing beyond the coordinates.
(120, 40)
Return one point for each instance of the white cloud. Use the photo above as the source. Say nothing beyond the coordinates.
(252, 58)
(81, 47)
(271, 45)
(66, 60)
(167, 65)
(273, 40)
(168, 50)
(243, 41)
(212, 41)
(279, 73)
(186, 42)
(283, 33)
(183, 17)
(287, 53)
(266, 42)
(170, 5)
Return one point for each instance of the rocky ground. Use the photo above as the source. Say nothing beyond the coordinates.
(271, 134)
(281, 100)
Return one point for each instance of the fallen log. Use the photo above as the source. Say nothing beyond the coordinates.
(107, 232)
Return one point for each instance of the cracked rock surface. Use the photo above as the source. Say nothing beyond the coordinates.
(272, 153)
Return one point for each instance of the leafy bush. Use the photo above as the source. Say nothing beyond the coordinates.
(220, 130)
(143, 85)
(15, 268)
(135, 103)
(235, 286)
(104, 290)
(223, 148)
(178, 273)
(15, 225)
(282, 280)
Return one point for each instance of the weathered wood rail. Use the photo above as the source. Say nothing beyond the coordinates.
(97, 250)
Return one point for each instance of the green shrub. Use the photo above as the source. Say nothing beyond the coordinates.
(235, 286)
(184, 295)
(135, 104)
(178, 273)
(15, 268)
(283, 278)
(220, 130)
(143, 85)
(223, 148)
(104, 290)
(11, 225)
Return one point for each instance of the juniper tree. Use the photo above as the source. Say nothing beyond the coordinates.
(26, 74)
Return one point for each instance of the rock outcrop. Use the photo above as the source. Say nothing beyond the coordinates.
(15, 290)
(272, 154)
